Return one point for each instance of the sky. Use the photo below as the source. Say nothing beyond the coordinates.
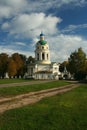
(63, 22)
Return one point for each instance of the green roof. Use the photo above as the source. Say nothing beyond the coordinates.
(43, 42)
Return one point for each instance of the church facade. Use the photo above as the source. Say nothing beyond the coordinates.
(43, 68)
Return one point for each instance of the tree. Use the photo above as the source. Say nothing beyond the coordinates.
(12, 71)
(23, 57)
(19, 63)
(77, 63)
(3, 64)
(24, 67)
(31, 59)
(63, 65)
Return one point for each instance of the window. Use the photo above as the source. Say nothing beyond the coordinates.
(43, 56)
(37, 56)
(42, 47)
(47, 56)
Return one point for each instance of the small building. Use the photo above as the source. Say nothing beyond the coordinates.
(43, 68)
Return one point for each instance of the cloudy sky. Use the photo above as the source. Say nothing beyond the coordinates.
(64, 23)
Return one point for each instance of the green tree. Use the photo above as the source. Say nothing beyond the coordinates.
(24, 67)
(63, 65)
(31, 59)
(23, 57)
(77, 63)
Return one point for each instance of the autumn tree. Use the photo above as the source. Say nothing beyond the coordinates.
(19, 63)
(3, 64)
(12, 71)
(77, 64)
(15, 65)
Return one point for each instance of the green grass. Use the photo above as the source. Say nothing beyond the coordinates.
(8, 81)
(10, 91)
(61, 112)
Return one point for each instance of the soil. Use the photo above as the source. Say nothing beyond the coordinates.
(32, 97)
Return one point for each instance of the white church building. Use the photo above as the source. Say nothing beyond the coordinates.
(43, 68)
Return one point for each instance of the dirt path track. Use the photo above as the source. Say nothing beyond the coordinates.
(32, 97)
(25, 83)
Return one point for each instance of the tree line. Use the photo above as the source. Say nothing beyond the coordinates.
(14, 65)
(76, 64)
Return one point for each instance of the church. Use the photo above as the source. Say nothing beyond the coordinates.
(43, 68)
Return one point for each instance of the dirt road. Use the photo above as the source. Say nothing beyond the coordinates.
(25, 83)
(32, 97)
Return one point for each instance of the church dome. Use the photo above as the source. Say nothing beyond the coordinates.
(41, 34)
(42, 42)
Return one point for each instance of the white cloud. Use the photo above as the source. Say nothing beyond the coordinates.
(30, 25)
(5, 11)
(44, 5)
(9, 8)
(73, 2)
(74, 27)
(61, 46)
(20, 43)
(17, 47)
(5, 25)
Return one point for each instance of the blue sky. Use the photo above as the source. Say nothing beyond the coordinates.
(64, 23)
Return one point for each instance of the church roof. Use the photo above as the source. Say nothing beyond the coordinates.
(41, 34)
(42, 42)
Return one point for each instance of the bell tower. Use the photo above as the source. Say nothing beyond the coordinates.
(42, 53)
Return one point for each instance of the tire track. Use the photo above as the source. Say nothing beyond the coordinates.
(32, 97)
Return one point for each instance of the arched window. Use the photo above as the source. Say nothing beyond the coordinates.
(37, 56)
(43, 56)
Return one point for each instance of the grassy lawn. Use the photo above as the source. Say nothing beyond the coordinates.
(7, 81)
(10, 91)
(61, 112)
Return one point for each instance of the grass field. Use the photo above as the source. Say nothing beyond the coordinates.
(10, 91)
(61, 112)
(6, 81)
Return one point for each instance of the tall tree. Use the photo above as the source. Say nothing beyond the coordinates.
(23, 57)
(63, 65)
(77, 63)
(12, 71)
(24, 67)
(3, 64)
(19, 63)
